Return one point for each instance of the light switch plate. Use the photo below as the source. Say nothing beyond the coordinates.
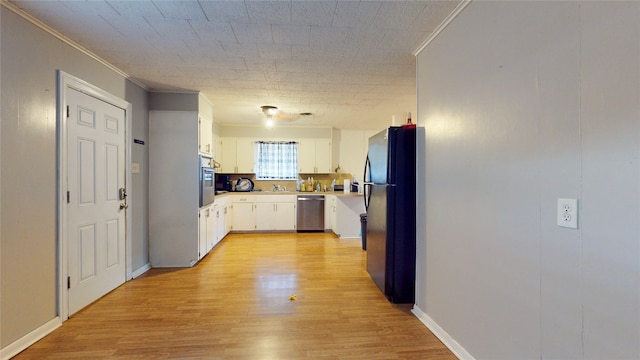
(135, 168)
(568, 213)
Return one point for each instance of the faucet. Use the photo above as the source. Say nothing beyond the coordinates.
(279, 188)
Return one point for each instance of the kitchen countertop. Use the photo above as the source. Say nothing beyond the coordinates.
(336, 193)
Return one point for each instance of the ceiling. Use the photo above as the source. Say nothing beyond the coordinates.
(350, 63)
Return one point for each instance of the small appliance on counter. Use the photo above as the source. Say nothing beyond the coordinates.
(354, 187)
(223, 183)
(244, 184)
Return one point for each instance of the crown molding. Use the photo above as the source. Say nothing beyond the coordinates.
(442, 26)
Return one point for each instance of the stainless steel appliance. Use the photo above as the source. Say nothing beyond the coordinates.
(390, 200)
(223, 183)
(310, 213)
(207, 179)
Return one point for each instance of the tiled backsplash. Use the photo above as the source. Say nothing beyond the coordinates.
(290, 185)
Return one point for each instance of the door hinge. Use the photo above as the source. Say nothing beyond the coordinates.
(68, 282)
(68, 197)
(68, 112)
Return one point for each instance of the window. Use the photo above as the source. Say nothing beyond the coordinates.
(276, 160)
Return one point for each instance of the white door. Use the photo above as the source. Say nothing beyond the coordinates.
(96, 221)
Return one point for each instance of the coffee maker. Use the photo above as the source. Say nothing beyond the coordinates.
(223, 183)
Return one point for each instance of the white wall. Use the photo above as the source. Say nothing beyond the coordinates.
(30, 58)
(525, 102)
(353, 151)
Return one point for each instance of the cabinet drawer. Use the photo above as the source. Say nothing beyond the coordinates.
(243, 198)
(275, 198)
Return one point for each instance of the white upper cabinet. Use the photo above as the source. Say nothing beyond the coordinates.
(314, 156)
(237, 155)
(244, 156)
(205, 135)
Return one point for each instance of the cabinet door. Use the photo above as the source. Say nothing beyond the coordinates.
(202, 232)
(306, 156)
(228, 218)
(244, 156)
(221, 223)
(243, 216)
(330, 212)
(217, 149)
(205, 135)
(228, 156)
(285, 216)
(211, 229)
(265, 216)
(323, 155)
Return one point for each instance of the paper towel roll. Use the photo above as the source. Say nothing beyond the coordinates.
(347, 186)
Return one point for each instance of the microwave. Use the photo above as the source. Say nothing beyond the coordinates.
(223, 183)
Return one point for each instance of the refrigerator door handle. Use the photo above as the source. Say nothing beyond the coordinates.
(367, 194)
(367, 183)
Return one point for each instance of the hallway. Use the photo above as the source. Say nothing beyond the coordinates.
(235, 304)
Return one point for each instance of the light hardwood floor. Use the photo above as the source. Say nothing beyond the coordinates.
(235, 304)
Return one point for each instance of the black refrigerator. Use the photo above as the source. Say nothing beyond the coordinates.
(390, 201)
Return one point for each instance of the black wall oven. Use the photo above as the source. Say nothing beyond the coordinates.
(207, 181)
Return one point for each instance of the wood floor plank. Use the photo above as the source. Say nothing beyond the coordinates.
(235, 304)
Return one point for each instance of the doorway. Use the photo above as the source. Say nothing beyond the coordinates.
(93, 163)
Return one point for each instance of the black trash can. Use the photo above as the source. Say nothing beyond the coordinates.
(363, 229)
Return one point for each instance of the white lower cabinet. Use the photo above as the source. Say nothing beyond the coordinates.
(330, 212)
(228, 217)
(220, 213)
(204, 231)
(286, 216)
(276, 212)
(244, 216)
(342, 215)
(264, 212)
(211, 229)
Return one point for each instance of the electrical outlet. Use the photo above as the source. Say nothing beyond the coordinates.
(568, 213)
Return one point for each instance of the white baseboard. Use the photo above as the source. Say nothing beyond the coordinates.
(439, 332)
(141, 270)
(24, 342)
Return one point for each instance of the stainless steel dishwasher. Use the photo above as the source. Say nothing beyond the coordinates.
(310, 213)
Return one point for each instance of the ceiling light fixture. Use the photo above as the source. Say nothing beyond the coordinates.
(269, 110)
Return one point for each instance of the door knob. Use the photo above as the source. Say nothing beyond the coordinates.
(124, 206)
